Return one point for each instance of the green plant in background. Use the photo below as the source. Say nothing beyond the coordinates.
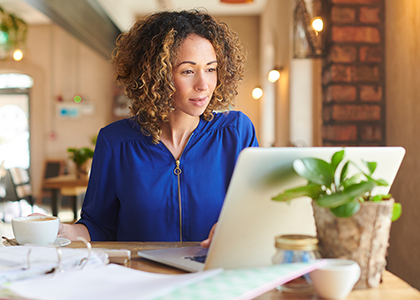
(330, 185)
(13, 31)
(81, 155)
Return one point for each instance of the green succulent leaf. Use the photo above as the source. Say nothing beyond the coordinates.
(346, 210)
(316, 170)
(347, 195)
(396, 212)
(336, 159)
(376, 198)
(371, 166)
(379, 182)
(351, 181)
(344, 172)
(311, 190)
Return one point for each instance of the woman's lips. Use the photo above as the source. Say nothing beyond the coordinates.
(200, 101)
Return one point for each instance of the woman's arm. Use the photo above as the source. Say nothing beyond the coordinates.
(72, 232)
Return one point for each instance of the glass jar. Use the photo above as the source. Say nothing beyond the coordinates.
(296, 248)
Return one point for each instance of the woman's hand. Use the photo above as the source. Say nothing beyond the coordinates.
(206, 243)
(71, 232)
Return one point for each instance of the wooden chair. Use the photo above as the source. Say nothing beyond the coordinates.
(22, 185)
(3, 173)
(52, 168)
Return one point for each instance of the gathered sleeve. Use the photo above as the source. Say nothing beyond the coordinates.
(246, 131)
(101, 204)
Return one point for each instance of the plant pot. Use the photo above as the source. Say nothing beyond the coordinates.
(363, 238)
(83, 170)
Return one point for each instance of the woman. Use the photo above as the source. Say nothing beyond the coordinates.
(162, 174)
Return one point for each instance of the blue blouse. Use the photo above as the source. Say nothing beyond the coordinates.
(139, 192)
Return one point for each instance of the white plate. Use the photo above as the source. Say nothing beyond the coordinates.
(61, 242)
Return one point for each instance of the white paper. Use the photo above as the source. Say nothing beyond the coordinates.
(107, 282)
(19, 262)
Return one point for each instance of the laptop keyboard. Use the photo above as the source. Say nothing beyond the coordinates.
(197, 258)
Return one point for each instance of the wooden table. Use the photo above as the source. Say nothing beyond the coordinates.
(392, 287)
(67, 185)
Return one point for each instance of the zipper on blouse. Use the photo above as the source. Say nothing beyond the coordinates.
(177, 172)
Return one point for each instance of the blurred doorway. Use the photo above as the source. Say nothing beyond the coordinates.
(14, 120)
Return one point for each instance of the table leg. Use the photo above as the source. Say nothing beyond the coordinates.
(55, 201)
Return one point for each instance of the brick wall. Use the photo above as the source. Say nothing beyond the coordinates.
(353, 73)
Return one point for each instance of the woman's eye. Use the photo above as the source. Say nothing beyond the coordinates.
(211, 70)
(187, 72)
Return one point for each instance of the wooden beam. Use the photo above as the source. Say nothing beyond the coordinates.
(84, 19)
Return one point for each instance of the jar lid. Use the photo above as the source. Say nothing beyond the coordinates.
(296, 242)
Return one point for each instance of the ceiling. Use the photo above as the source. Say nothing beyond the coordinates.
(24, 11)
(124, 12)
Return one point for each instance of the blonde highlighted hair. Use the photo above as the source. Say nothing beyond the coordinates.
(144, 56)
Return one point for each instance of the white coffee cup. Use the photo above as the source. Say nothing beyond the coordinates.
(37, 230)
(336, 278)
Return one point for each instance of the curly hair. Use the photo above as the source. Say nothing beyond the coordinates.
(144, 57)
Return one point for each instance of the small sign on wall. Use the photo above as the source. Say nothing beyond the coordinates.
(74, 110)
(68, 110)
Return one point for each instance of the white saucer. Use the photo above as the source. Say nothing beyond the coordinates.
(61, 242)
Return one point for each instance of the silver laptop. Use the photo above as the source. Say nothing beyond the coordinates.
(250, 220)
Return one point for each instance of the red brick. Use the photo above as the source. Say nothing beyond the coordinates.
(340, 133)
(371, 133)
(341, 73)
(356, 112)
(369, 15)
(326, 77)
(356, 1)
(370, 93)
(366, 73)
(370, 54)
(356, 34)
(351, 73)
(326, 113)
(343, 54)
(341, 93)
(343, 15)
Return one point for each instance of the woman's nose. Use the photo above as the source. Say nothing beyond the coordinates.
(201, 83)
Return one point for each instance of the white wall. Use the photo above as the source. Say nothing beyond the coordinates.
(301, 96)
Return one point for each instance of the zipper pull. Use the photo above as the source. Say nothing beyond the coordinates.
(177, 169)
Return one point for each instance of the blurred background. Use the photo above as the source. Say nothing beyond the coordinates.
(354, 82)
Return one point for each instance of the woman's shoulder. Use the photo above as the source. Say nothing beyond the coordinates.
(230, 117)
(234, 123)
(123, 130)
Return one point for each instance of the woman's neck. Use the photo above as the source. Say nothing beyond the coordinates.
(176, 132)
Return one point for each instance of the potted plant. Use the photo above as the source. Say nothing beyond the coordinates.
(351, 222)
(81, 157)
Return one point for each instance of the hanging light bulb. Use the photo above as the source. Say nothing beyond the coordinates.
(257, 93)
(17, 55)
(317, 24)
(273, 75)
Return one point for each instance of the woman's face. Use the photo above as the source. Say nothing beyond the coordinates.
(194, 75)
